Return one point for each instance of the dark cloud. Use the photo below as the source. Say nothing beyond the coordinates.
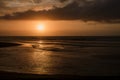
(62, 0)
(12, 6)
(87, 10)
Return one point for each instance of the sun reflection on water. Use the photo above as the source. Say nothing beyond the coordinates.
(43, 62)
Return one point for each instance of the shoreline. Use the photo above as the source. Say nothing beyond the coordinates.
(8, 44)
(15, 75)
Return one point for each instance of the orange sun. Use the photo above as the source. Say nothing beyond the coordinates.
(40, 27)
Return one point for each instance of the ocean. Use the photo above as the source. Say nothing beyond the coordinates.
(67, 55)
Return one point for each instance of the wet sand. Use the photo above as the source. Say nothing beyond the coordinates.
(6, 44)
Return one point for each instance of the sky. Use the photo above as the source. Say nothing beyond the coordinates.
(60, 17)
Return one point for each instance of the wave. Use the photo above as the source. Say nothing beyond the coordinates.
(81, 44)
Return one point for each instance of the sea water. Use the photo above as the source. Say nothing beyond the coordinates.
(62, 55)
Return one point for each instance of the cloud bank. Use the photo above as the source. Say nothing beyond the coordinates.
(87, 10)
(13, 6)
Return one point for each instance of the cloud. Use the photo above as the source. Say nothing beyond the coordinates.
(13, 6)
(87, 10)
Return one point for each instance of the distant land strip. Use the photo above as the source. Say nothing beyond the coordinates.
(7, 44)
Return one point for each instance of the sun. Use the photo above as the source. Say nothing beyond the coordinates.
(41, 27)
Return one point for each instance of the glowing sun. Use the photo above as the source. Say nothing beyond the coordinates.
(41, 27)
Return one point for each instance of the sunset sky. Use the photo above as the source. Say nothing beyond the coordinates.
(59, 17)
